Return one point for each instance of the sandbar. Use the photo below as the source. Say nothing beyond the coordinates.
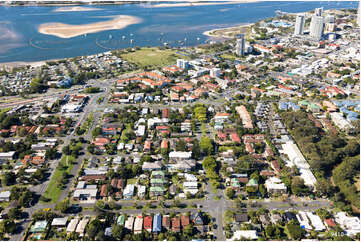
(228, 32)
(62, 30)
(197, 3)
(76, 9)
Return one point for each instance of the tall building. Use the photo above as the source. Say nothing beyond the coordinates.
(182, 64)
(300, 24)
(318, 11)
(359, 14)
(316, 27)
(240, 46)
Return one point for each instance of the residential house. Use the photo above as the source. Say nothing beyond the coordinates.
(148, 222)
(138, 224)
(157, 223)
(176, 224)
(166, 222)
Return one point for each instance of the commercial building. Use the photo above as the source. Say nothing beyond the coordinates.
(316, 27)
(184, 64)
(240, 45)
(300, 24)
(318, 11)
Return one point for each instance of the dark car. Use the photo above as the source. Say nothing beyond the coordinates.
(74, 209)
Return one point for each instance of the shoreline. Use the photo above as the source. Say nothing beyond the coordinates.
(201, 3)
(75, 9)
(208, 32)
(65, 31)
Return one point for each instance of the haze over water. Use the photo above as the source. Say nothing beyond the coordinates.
(21, 41)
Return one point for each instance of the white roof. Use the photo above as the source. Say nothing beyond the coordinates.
(81, 226)
(80, 185)
(59, 221)
(129, 189)
(91, 192)
(191, 191)
(190, 177)
(72, 225)
(249, 234)
(129, 223)
(302, 219)
(5, 194)
(7, 154)
(316, 221)
(190, 184)
(138, 224)
(180, 154)
(351, 224)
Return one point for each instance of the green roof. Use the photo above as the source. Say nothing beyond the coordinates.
(253, 182)
(121, 220)
(157, 181)
(313, 106)
(157, 189)
(303, 103)
(157, 173)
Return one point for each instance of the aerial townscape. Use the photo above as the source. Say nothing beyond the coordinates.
(251, 135)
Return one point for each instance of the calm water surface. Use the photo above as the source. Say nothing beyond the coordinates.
(21, 41)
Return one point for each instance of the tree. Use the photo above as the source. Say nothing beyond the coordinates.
(63, 206)
(118, 232)
(209, 163)
(66, 150)
(9, 178)
(196, 149)
(96, 132)
(206, 145)
(298, 186)
(229, 193)
(270, 231)
(50, 154)
(15, 213)
(7, 226)
(93, 228)
(294, 231)
(181, 145)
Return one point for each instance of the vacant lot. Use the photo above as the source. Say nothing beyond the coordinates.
(153, 57)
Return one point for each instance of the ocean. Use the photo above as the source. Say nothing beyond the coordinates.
(177, 26)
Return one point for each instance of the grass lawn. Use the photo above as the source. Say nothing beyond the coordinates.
(153, 57)
(4, 110)
(53, 190)
(229, 57)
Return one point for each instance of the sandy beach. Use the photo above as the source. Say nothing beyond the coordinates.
(76, 9)
(223, 32)
(197, 3)
(62, 30)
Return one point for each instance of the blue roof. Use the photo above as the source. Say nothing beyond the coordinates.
(283, 105)
(157, 223)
